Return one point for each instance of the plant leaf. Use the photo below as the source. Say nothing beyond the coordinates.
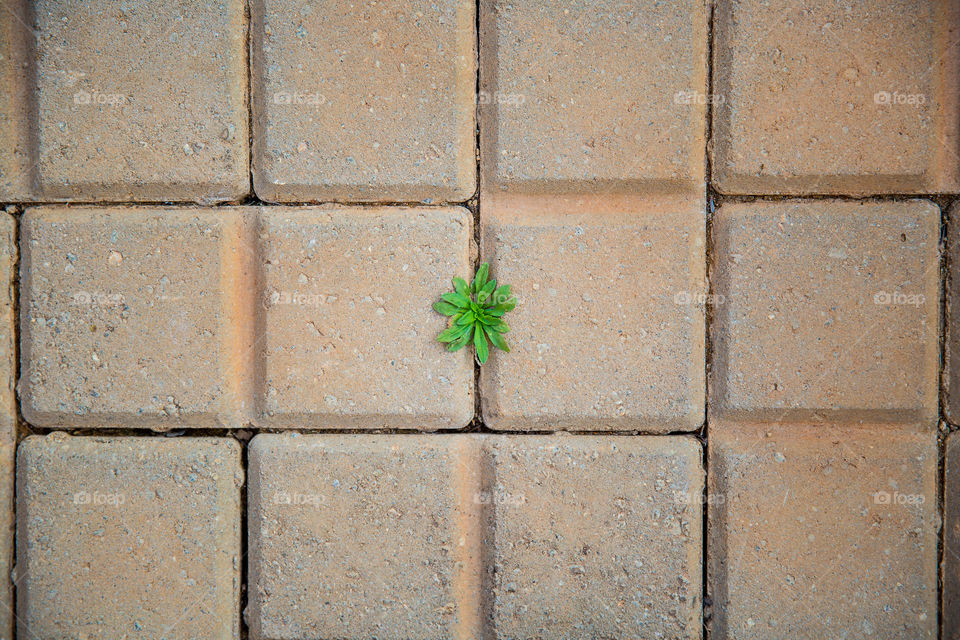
(467, 318)
(500, 327)
(460, 286)
(506, 306)
(480, 344)
(462, 341)
(446, 308)
(485, 292)
(497, 340)
(455, 298)
(501, 295)
(481, 278)
(452, 333)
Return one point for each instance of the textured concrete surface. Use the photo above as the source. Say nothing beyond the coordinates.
(830, 97)
(372, 101)
(141, 101)
(951, 539)
(822, 531)
(596, 537)
(18, 160)
(951, 338)
(349, 336)
(360, 536)
(609, 330)
(604, 96)
(469, 536)
(128, 319)
(128, 537)
(8, 418)
(830, 311)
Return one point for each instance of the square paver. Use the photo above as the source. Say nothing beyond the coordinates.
(349, 335)
(128, 537)
(362, 536)
(18, 160)
(829, 97)
(8, 418)
(145, 102)
(951, 539)
(598, 97)
(822, 531)
(127, 319)
(609, 330)
(951, 338)
(371, 101)
(826, 310)
(596, 537)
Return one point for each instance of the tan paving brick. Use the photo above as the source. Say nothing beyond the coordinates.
(128, 537)
(826, 310)
(362, 536)
(836, 98)
(822, 531)
(951, 539)
(609, 330)
(374, 102)
(133, 316)
(601, 97)
(18, 159)
(145, 102)
(8, 418)
(596, 537)
(951, 338)
(349, 332)
(468, 536)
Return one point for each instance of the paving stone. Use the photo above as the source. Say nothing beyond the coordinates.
(371, 103)
(600, 97)
(128, 537)
(144, 102)
(128, 319)
(951, 539)
(836, 98)
(609, 330)
(19, 155)
(362, 536)
(826, 310)
(349, 333)
(8, 419)
(822, 531)
(596, 537)
(951, 350)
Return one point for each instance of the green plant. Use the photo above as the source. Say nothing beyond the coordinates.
(476, 314)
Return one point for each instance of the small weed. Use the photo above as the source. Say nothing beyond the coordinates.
(476, 314)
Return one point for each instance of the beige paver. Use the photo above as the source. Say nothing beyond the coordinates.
(465, 536)
(609, 330)
(951, 338)
(8, 419)
(826, 310)
(349, 335)
(132, 316)
(144, 102)
(596, 537)
(135, 537)
(822, 531)
(599, 97)
(951, 539)
(367, 102)
(18, 159)
(836, 98)
(362, 536)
